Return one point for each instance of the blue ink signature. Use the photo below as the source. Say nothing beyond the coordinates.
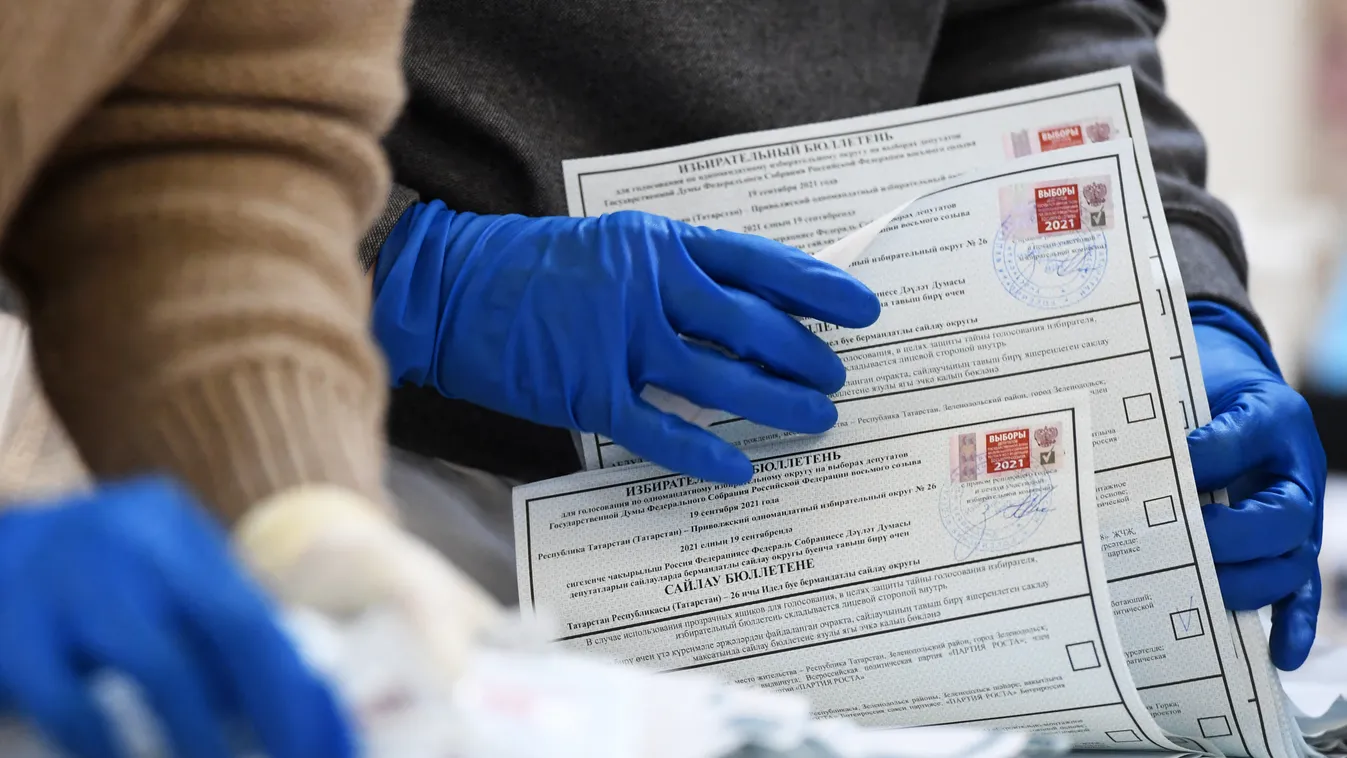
(1079, 264)
(1029, 506)
(1026, 507)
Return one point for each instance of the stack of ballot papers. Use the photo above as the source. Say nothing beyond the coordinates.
(517, 702)
(1002, 532)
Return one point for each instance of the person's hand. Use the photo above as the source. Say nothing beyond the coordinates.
(1263, 447)
(135, 578)
(332, 551)
(564, 321)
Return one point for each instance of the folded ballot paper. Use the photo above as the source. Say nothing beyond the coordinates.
(1003, 531)
(514, 701)
(1317, 694)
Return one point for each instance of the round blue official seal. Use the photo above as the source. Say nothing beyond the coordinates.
(994, 513)
(1051, 270)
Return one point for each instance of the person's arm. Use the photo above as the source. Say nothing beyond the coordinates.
(188, 256)
(400, 200)
(991, 45)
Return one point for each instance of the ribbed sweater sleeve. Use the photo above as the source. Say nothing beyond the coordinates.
(188, 255)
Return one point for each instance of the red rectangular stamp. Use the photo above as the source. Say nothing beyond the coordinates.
(998, 452)
(1057, 208)
(1032, 139)
(1060, 137)
(1059, 205)
(1007, 451)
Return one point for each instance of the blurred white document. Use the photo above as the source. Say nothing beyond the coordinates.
(515, 701)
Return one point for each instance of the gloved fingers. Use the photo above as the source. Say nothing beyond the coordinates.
(1254, 584)
(713, 380)
(236, 634)
(757, 331)
(1230, 445)
(137, 640)
(40, 682)
(789, 279)
(1272, 522)
(1294, 619)
(293, 713)
(677, 445)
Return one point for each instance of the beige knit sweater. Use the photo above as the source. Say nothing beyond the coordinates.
(182, 187)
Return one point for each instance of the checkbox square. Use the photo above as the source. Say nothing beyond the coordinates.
(1214, 726)
(1187, 624)
(1161, 511)
(1083, 655)
(1138, 408)
(1124, 735)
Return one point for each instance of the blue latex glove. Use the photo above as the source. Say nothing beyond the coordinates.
(135, 578)
(564, 321)
(1262, 445)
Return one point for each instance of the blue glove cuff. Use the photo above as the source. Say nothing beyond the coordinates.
(1225, 318)
(394, 245)
(405, 316)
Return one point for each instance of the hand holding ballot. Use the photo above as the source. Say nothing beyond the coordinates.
(565, 321)
(1005, 273)
(1262, 446)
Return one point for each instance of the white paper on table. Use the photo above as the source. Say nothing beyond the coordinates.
(522, 703)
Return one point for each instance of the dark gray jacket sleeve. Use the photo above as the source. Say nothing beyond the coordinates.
(399, 200)
(989, 45)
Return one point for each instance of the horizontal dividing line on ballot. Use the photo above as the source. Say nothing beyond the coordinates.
(737, 419)
(1026, 715)
(1011, 325)
(1176, 683)
(1059, 366)
(1133, 465)
(801, 593)
(1190, 564)
(876, 633)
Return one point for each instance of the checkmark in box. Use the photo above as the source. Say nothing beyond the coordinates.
(1187, 624)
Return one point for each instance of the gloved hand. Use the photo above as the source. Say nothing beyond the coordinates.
(332, 551)
(564, 321)
(1263, 447)
(134, 577)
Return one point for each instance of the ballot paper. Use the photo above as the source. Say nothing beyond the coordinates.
(1042, 264)
(943, 570)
